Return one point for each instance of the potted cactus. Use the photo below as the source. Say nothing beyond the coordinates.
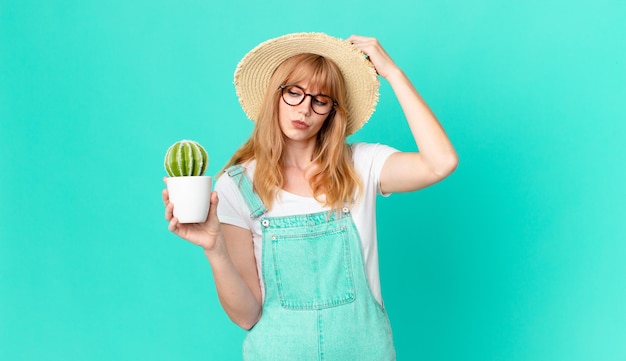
(189, 189)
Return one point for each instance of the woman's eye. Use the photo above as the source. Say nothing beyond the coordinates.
(294, 92)
(319, 101)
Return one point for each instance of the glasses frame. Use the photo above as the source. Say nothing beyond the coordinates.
(282, 95)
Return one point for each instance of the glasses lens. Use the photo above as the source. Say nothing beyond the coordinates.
(293, 95)
(321, 104)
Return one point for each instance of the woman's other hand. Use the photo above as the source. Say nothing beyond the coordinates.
(378, 56)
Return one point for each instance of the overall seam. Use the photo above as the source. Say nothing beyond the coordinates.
(320, 335)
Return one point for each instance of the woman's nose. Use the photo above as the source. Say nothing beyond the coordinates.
(305, 106)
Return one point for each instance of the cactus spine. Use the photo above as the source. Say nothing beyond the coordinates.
(186, 158)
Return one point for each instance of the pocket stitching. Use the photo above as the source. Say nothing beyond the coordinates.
(325, 302)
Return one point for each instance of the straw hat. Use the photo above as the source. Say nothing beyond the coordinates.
(255, 69)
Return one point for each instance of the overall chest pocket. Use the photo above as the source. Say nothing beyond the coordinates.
(313, 270)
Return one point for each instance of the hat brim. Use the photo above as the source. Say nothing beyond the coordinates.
(255, 69)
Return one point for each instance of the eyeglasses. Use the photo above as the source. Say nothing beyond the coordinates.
(294, 95)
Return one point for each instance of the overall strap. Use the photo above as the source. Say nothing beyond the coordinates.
(237, 173)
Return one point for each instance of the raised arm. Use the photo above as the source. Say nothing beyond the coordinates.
(230, 252)
(436, 159)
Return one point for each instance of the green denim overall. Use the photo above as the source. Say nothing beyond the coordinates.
(318, 305)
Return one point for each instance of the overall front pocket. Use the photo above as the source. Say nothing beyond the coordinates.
(313, 270)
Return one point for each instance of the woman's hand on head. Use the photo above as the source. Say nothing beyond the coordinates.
(202, 234)
(378, 56)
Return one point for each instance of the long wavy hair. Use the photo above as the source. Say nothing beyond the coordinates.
(331, 174)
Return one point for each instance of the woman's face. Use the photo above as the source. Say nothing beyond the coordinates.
(300, 122)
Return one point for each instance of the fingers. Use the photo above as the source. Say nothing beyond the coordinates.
(369, 46)
(169, 216)
(213, 207)
(375, 53)
(166, 197)
(214, 200)
(173, 225)
(169, 211)
(357, 39)
(362, 41)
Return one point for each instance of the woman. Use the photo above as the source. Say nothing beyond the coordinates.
(293, 244)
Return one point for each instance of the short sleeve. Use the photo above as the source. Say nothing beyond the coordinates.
(369, 159)
(232, 208)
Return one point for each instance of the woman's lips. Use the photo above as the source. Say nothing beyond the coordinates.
(298, 124)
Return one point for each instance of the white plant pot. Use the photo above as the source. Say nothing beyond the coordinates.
(191, 196)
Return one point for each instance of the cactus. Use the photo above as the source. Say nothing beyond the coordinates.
(186, 158)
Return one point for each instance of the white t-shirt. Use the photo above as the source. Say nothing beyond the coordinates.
(368, 162)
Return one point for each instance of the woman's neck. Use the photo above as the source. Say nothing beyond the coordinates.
(298, 155)
(297, 168)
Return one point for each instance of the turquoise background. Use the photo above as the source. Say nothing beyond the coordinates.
(519, 255)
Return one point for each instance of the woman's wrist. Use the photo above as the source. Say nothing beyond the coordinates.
(217, 249)
(394, 74)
